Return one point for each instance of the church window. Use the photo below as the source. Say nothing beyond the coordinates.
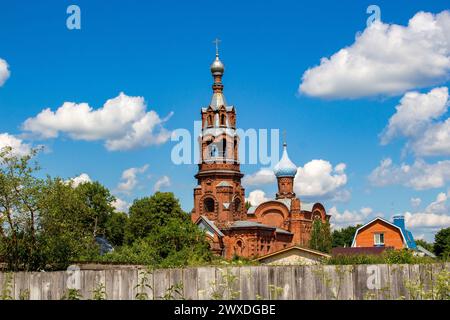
(222, 119)
(214, 151)
(209, 205)
(210, 120)
(237, 205)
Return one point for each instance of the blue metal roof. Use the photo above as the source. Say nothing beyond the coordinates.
(399, 221)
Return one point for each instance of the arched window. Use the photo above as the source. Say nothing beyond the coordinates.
(317, 215)
(239, 247)
(237, 205)
(208, 205)
(210, 120)
(214, 151)
(222, 119)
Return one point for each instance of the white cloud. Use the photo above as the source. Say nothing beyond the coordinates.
(162, 182)
(121, 205)
(18, 147)
(261, 177)
(415, 112)
(386, 59)
(417, 119)
(256, 197)
(123, 123)
(82, 178)
(439, 206)
(415, 202)
(349, 218)
(130, 179)
(426, 220)
(420, 175)
(435, 216)
(4, 71)
(434, 141)
(318, 179)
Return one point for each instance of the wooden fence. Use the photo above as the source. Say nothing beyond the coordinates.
(252, 282)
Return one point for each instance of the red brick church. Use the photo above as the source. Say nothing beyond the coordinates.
(219, 198)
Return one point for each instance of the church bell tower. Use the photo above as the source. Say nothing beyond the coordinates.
(219, 195)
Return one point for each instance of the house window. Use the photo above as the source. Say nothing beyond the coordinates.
(378, 239)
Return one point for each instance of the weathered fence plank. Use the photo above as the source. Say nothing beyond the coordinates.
(190, 284)
(161, 282)
(365, 282)
(21, 286)
(176, 280)
(205, 279)
(261, 282)
(227, 284)
(399, 278)
(35, 285)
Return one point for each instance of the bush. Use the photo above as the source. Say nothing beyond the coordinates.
(404, 256)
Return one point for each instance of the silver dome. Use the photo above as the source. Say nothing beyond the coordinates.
(217, 67)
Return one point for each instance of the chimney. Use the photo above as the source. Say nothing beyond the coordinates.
(399, 221)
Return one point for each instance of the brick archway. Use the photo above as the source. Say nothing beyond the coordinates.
(272, 213)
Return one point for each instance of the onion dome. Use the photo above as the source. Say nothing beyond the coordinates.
(217, 67)
(285, 168)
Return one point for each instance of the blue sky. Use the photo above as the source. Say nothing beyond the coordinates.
(161, 51)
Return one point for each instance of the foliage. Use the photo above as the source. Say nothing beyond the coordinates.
(97, 202)
(99, 293)
(24, 294)
(72, 294)
(47, 223)
(19, 194)
(440, 291)
(320, 236)
(344, 236)
(148, 214)
(442, 243)
(275, 292)
(7, 288)
(159, 233)
(64, 236)
(224, 289)
(115, 228)
(142, 285)
(404, 256)
(174, 292)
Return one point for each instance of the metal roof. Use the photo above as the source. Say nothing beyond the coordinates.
(246, 224)
(218, 100)
(285, 201)
(210, 224)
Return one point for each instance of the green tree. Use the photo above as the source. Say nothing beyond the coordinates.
(148, 214)
(98, 202)
(64, 235)
(321, 236)
(159, 233)
(344, 236)
(442, 243)
(19, 211)
(115, 228)
(42, 221)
